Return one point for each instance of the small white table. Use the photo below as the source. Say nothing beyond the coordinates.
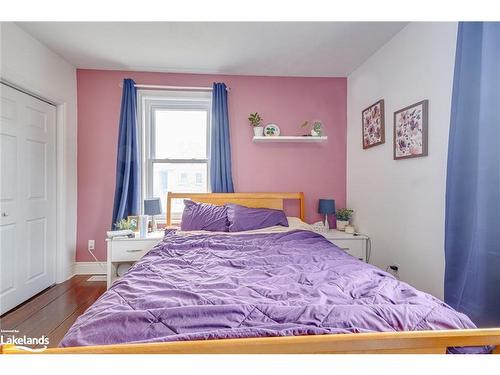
(128, 250)
(356, 245)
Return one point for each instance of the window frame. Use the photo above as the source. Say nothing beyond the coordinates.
(150, 101)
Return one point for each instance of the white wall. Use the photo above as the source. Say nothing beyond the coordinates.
(30, 65)
(400, 204)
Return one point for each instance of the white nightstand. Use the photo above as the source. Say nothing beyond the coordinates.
(356, 245)
(128, 250)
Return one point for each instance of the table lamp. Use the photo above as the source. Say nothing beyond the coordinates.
(326, 207)
(152, 206)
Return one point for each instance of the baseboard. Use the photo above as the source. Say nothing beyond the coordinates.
(90, 268)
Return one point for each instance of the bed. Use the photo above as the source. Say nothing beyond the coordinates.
(272, 290)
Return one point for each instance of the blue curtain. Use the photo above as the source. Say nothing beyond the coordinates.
(127, 193)
(221, 179)
(472, 245)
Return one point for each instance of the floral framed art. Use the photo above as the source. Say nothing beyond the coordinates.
(373, 126)
(410, 131)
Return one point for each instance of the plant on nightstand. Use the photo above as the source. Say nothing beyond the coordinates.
(123, 224)
(343, 215)
(255, 121)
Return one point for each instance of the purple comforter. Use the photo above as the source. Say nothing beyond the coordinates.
(252, 285)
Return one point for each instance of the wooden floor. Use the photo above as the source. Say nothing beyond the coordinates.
(53, 311)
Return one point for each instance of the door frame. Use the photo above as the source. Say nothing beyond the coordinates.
(61, 158)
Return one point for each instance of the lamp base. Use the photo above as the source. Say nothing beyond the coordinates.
(327, 225)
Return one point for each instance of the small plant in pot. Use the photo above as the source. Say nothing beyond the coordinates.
(343, 215)
(255, 122)
(316, 128)
(123, 224)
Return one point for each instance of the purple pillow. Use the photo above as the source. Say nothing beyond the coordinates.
(203, 216)
(243, 218)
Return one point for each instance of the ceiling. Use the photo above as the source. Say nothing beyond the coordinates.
(310, 49)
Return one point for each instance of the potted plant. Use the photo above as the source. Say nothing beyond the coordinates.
(124, 224)
(343, 215)
(316, 128)
(255, 122)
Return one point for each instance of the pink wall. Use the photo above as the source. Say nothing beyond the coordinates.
(319, 170)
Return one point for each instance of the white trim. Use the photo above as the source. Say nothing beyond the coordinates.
(147, 102)
(61, 274)
(89, 268)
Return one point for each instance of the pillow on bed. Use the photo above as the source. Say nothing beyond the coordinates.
(243, 218)
(204, 216)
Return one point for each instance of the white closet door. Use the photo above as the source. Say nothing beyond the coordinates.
(27, 196)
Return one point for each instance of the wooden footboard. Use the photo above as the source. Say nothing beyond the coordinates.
(384, 342)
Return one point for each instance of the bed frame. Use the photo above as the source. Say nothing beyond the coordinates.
(414, 342)
(256, 200)
(379, 342)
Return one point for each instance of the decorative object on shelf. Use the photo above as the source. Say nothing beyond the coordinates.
(143, 226)
(316, 128)
(349, 229)
(343, 216)
(373, 125)
(326, 207)
(271, 130)
(303, 125)
(255, 122)
(410, 131)
(152, 207)
(133, 222)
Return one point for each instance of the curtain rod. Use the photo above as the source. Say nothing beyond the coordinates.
(180, 88)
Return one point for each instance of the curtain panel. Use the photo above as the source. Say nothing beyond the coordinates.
(221, 178)
(127, 189)
(472, 229)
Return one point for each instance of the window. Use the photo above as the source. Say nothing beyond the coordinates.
(176, 139)
(199, 179)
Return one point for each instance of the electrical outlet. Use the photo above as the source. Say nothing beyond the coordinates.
(91, 245)
(394, 270)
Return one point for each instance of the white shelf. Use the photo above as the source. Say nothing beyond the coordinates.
(289, 138)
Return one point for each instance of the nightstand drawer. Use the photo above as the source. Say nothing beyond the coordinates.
(353, 247)
(130, 251)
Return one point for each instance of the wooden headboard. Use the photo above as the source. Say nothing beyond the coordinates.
(256, 200)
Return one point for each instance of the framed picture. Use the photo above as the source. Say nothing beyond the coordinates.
(410, 131)
(133, 222)
(373, 127)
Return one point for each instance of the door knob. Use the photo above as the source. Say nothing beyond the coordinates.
(5, 214)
